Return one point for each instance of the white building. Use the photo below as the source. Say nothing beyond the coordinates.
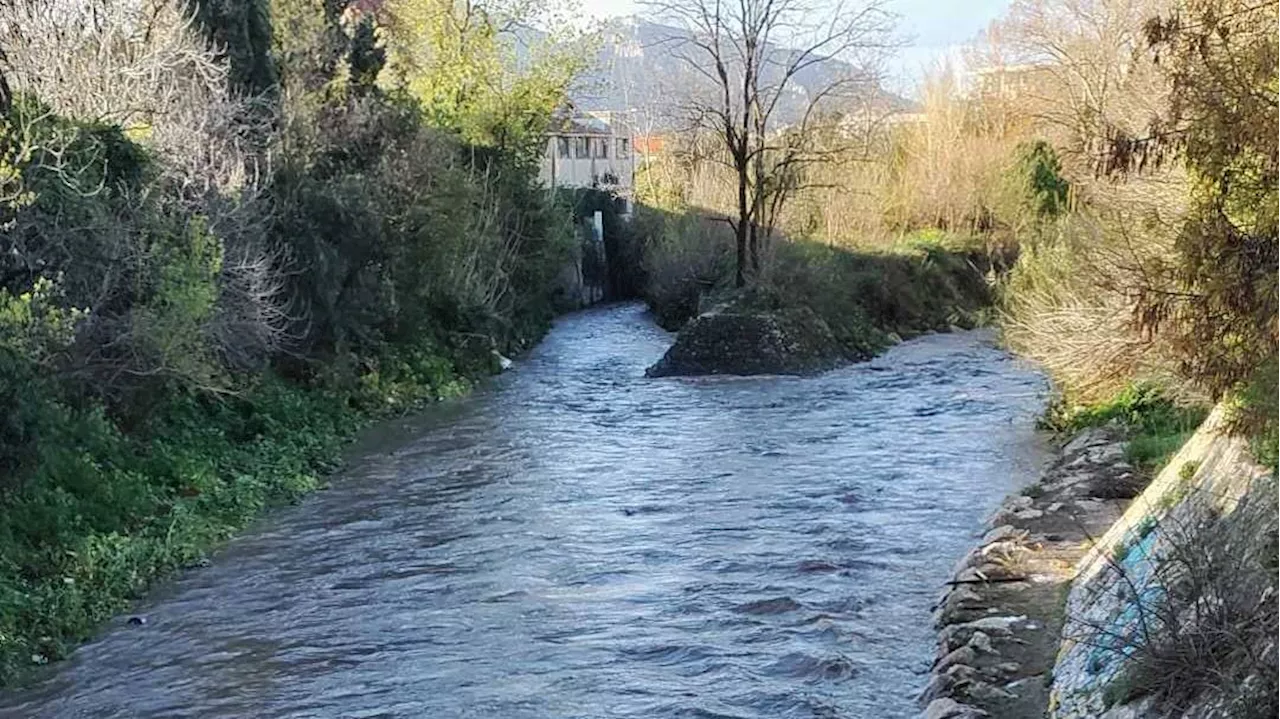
(592, 150)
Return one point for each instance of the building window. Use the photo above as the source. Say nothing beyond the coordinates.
(602, 147)
(581, 147)
(624, 148)
(563, 146)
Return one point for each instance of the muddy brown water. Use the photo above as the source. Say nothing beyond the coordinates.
(577, 541)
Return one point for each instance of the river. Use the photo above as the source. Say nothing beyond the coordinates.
(577, 541)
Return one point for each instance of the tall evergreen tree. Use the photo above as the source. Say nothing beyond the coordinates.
(242, 30)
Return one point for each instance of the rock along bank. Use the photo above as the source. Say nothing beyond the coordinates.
(1078, 578)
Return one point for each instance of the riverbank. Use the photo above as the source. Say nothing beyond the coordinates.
(1078, 601)
(1000, 620)
(112, 511)
(1172, 612)
(817, 306)
(210, 282)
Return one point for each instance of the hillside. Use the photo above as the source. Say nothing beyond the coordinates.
(636, 68)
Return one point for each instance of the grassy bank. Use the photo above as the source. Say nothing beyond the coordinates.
(210, 281)
(107, 510)
(869, 298)
(873, 299)
(1155, 423)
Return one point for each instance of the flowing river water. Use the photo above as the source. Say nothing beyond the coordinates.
(577, 541)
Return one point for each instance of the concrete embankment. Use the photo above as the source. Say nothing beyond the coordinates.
(1079, 580)
(1172, 612)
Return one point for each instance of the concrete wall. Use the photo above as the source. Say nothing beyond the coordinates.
(1121, 581)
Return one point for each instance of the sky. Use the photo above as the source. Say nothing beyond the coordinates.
(933, 29)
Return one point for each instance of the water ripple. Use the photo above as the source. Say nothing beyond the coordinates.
(577, 541)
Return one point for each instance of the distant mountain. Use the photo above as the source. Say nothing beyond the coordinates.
(637, 69)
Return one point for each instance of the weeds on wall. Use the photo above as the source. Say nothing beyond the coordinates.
(1194, 626)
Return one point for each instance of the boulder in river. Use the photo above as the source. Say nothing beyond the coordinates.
(786, 341)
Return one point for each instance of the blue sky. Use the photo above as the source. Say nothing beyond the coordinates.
(932, 28)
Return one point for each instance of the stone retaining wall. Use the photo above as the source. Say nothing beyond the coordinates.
(1044, 615)
(1000, 618)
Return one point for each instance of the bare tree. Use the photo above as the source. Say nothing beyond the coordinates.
(766, 74)
(144, 66)
(1082, 67)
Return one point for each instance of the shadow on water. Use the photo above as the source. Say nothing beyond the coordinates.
(575, 540)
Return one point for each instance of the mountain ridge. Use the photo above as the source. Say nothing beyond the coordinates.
(631, 72)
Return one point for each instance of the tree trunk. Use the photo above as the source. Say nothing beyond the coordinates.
(744, 222)
(740, 279)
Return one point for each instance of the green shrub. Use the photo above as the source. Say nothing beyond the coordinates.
(1157, 426)
(865, 296)
(685, 256)
(1045, 190)
(391, 261)
(97, 513)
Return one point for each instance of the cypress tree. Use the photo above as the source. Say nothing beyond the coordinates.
(242, 30)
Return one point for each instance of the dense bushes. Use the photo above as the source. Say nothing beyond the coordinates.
(864, 297)
(685, 255)
(203, 292)
(109, 282)
(915, 288)
(1218, 306)
(411, 236)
